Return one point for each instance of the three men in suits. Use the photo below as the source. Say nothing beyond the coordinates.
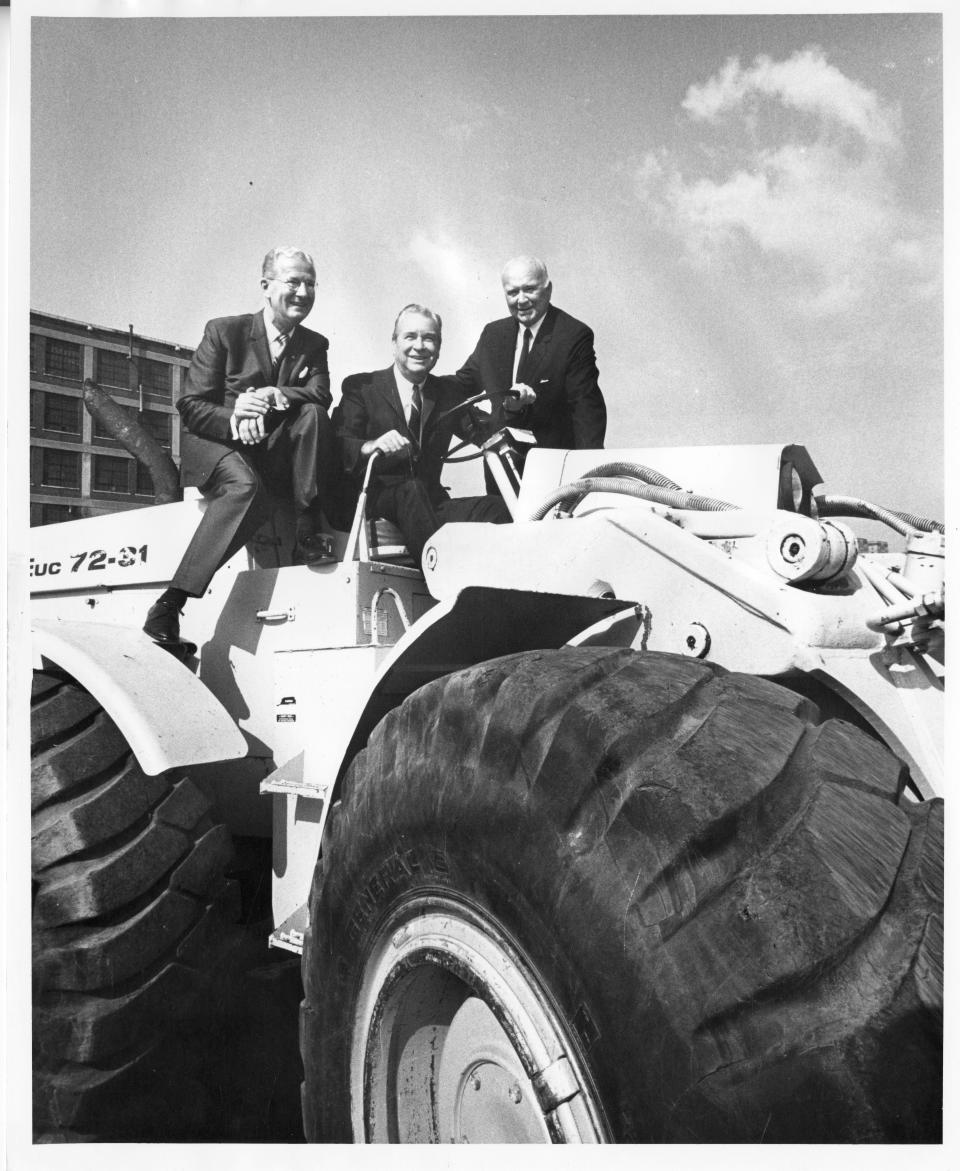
(401, 415)
(255, 422)
(545, 351)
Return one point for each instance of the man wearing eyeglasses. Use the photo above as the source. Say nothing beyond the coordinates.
(255, 422)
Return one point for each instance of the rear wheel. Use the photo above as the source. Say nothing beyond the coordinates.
(586, 894)
(129, 911)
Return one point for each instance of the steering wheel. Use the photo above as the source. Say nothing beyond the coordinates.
(451, 457)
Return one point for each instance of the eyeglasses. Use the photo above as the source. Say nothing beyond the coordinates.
(293, 285)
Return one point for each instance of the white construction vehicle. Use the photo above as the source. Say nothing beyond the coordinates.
(617, 823)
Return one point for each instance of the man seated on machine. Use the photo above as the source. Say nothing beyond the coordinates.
(255, 424)
(407, 417)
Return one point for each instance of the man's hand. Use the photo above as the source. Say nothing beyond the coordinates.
(252, 404)
(526, 395)
(251, 408)
(388, 443)
(249, 431)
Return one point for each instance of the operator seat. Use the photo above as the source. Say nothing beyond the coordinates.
(385, 542)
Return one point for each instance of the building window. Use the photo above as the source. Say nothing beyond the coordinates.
(54, 514)
(144, 481)
(111, 473)
(63, 359)
(36, 353)
(155, 377)
(61, 413)
(60, 469)
(114, 369)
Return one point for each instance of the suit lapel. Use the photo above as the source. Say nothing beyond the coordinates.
(261, 347)
(387, 389)
(504, 359)
(428, 400)
(292, 360)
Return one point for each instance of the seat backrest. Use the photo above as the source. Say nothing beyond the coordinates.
(385, 542)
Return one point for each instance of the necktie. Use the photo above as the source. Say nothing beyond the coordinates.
(415, 407)
(279, 346)
(524, 355)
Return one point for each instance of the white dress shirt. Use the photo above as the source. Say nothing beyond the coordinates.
(405, 390)
(534, 330)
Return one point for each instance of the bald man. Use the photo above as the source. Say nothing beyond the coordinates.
(544, 350)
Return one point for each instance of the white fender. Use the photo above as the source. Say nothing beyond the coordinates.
(167, 715)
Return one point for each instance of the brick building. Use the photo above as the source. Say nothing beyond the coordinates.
(75, 468)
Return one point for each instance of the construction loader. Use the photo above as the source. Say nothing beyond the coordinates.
(618, 823)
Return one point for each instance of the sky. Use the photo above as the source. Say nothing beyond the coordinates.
(747, 210)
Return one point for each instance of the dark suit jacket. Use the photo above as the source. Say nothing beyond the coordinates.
(562, 369)
(371, 406)
(234, 355)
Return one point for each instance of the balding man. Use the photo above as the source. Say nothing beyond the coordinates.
(255, 422)
(400, 414)
(538, 349)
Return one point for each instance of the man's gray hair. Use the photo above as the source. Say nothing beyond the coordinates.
(269, 268)
(424, 312)
(531, 262)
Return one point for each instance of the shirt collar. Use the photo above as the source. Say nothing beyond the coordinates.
(534, 329)
(272, 332)
(404, 386)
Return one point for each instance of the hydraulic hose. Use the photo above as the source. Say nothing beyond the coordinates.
(627, 487)
(636, 471)
(919, 522)
(903, 523)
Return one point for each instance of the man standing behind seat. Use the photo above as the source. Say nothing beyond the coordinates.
(255, 422)
(397, 414)
(541, 349)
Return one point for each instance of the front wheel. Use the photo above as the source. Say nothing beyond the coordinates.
(456, 1038)
(591, 894)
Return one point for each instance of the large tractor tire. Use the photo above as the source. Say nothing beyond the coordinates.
(130, 915)
(594, 895)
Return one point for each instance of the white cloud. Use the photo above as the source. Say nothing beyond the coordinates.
(805, 82)
(813, 192)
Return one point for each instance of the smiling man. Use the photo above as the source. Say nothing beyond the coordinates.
(399, 414)
(545, 354)
(255, 422)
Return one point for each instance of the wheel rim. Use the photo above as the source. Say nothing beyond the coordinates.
(455, 1039)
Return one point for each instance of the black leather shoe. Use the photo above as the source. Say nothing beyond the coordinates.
(163, 623)
(314, 549)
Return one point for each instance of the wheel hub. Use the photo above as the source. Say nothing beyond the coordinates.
(485, 1095)
(455, 1039)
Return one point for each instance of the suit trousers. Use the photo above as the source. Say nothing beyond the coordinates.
(294, 461)
(408, 506)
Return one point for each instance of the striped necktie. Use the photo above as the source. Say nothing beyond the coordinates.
(415, 423)
(279, 346)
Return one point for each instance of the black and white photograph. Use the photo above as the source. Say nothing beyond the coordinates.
(474, 609)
